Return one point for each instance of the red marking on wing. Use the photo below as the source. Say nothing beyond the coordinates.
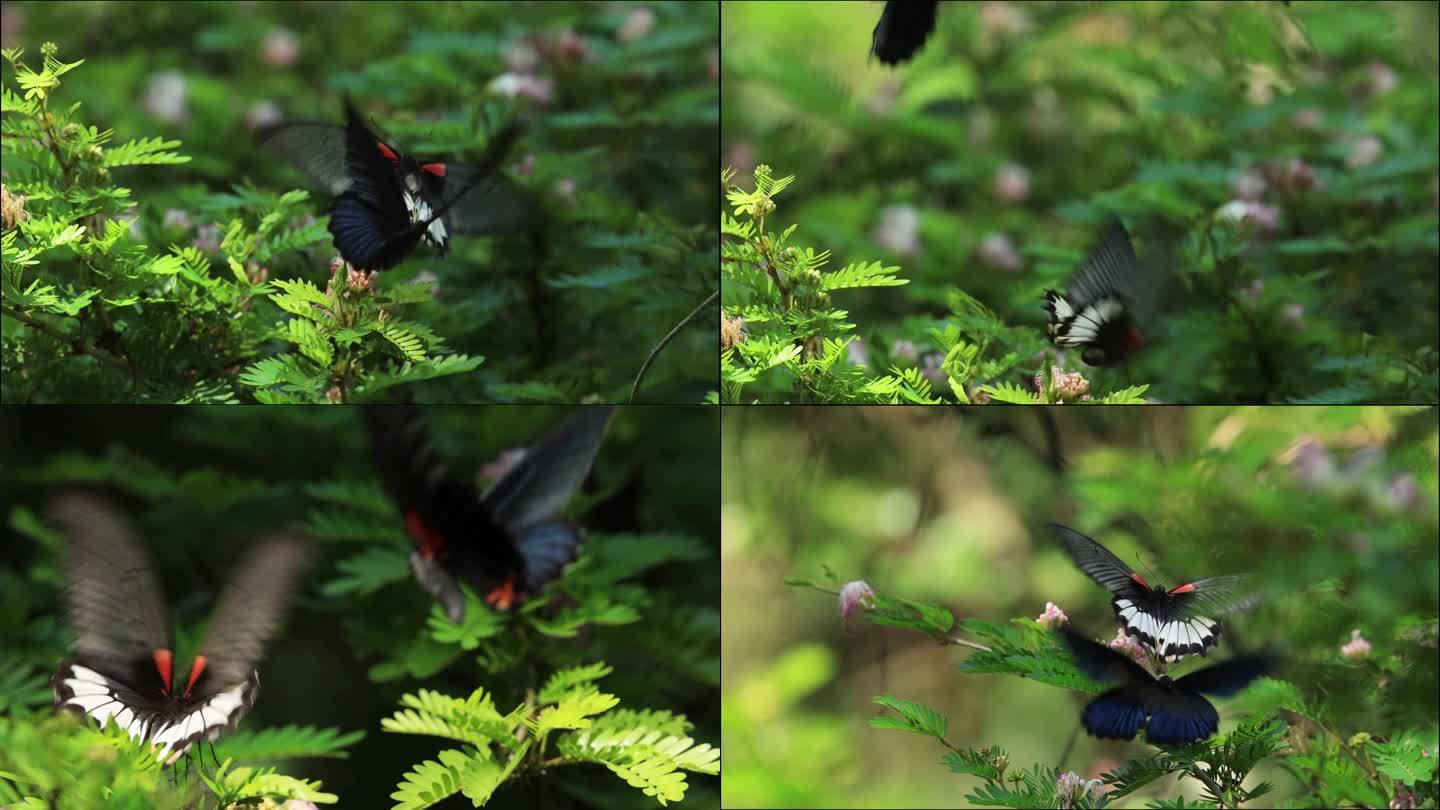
(164, 662)
(437, 169)
(1133, 339)
(195, 670)
(387, 151)
(1186, 588)
(1140, 581)
(503, 596)
(432, 543)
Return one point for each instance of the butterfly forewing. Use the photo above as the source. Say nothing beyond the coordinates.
(249, 613)
(316, 149)
(903, 27)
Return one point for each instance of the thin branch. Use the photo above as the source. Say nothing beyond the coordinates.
(76, 344)
(635, 389)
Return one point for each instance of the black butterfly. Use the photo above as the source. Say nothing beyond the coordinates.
(387, 202)
(903, 27)
(123, 666)
(1174, 622)
(1172, 712)
(1106, 302)
(505, 542)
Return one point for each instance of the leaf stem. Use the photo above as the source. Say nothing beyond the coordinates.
(655, 352)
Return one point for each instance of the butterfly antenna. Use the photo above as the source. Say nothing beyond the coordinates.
(1153, 576)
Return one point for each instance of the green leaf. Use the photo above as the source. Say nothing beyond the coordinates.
(914, 717)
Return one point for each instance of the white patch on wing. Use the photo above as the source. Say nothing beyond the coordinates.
(420, 211)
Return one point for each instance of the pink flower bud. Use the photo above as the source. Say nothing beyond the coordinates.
(280, 48)
(638, 24)
(1247, 185)
(1356, 648)
(855, 595)
(1012, 183)
(1308, 119)
(931, 366)
(904, 350)
(520, 57)
(997, 251)
(165, 97)
(1364, 151)
(855, 352)
(175, 218)
(262, 113)
(1129, 645)
(519, 85)
(1053, 616)
(899, 230)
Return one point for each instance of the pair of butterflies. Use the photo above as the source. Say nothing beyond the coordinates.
(504, 542)
(1172, 623)
(387, 202)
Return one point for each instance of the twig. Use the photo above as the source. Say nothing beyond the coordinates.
(963, 643)
(635, 389)
(76, 344)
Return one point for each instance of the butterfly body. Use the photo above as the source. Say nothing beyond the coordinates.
(1170, 711)
(1175, 622)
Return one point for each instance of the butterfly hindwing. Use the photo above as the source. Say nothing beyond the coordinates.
(1102, 308)
(903, 27)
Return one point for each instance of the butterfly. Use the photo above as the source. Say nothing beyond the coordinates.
(1107, 299)
(123, 668)
(388, 202)
(505, 542)
(1174, 622)
(903, 27)
(1172, 712)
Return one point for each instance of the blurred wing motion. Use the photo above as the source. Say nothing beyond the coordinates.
(1106, 301)
(506, 542)
(123, 669)
(1171, 712)
(903, 27)
(316, 149)
(1176, 622)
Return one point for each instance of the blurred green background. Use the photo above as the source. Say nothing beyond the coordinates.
(988, 162)
(1332, 509)
(202, 483)
(622, 101)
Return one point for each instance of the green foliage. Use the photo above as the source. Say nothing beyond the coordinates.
(1276, 160)
(647, 749)
(173, 259)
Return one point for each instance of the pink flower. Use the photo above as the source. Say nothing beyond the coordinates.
(1012, 183)
(1308, 118)
(1380, 79)
(519, 85)
(564, 188)
(855, 594)
(1247, 185)
(855, 352)
(1053, 616)
(175, 218)
(1129, 645)
(1294, 313)
(564, 48)
(638, 24)
(334, 396)
(280, 48)
(520, 57)
(1311, 464)
(1364, 151)
(1071, 788)
(1260, 216)
(998, 251)
(904, 350)
(165, 96)
(262, 113)
(1356, 648)
(207, 238)
(930, 366)
(1000, 19)
(1403, 492)
(899, 230)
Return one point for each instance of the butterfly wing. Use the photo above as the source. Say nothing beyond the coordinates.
(1106, 300)
(903, 27)
(248, 615)
(526, 499)
(113, 599)
(1226, 678)
(1179, 717)
(318, 150)
(1098, 563)
(1102, 663)
(496, 205)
